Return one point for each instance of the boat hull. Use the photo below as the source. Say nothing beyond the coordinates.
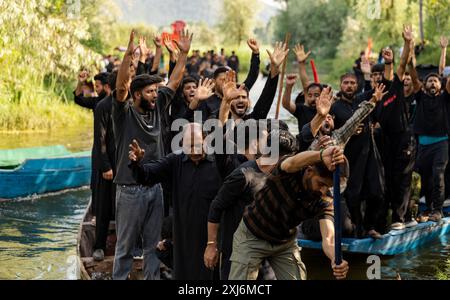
(40, 176)
(392, 243)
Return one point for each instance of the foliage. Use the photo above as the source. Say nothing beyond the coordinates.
(317, 24)
(238, 20)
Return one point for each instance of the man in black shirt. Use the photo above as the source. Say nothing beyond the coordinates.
(105, 150)
(210, 107)
(195, 182)
(139, 209)
(365, 182)
(431, 127)
(303, 112)
(102, 89)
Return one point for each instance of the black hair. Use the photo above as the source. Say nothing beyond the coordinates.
(102, 77)
(286, 141)
(219, 71)
(188, 79)
(313, 85)
(348, 75)
(377, 68)
(141, 81)
(432, 75)
(112, 80)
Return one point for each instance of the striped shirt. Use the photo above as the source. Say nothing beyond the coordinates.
(341, 136)
(281, 205)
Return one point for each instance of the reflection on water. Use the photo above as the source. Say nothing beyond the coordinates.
(75, 138)
(38, 237)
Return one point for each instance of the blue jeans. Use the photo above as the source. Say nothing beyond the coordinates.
(139, 214)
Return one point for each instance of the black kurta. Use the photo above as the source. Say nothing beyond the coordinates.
(193, 189)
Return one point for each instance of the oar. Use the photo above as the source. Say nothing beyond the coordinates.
(337, 215)
(283, 70)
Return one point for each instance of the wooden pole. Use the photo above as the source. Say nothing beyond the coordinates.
(283, 70)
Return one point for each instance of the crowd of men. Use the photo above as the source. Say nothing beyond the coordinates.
(243, 205)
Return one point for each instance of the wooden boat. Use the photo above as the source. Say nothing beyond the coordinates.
(392, 243)
(91, 269)
(29, 173)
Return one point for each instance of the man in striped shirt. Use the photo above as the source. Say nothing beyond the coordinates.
(298, 189)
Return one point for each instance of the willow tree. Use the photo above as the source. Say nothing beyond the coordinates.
(237, 20)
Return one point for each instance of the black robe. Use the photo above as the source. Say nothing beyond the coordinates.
(193, 189)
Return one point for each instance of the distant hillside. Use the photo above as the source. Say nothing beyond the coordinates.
(164, 12)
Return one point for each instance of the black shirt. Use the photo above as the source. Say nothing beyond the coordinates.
(431, 114)
(104, 144)
(228, 206)
(149, 130)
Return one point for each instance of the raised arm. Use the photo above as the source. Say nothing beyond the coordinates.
(87, 102)
(330, 157)
(184, 44)
(388, 56)
(323, 106)
(290, 83)
(123, 75)
(254, 64)
(412, 70)
(230, 92)
(158, 54)
(444, 44)
(277, 57)
(408, 38)
(301, 59)
(173, 52)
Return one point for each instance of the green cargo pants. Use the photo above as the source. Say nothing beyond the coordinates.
(249, 252)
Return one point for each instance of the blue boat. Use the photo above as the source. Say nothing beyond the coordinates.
(392, 243)
(45, 175)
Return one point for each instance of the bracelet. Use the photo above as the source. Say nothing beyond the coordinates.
(321, 154)
(388, 63)
(210, 243)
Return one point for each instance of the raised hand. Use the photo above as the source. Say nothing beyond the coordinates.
(253, 44)
(169, 45)
(157, 41)
(388, 55)
(184, 44)
(83, 76)
(323, 104)
(300, 53)
(365, 66)
(291, 79)
(136, 154)
(379, 93)
(279, 54)
(143, 47)
(131, 47)
(408, 35)
(204, 89)
(443, 42)
(230, 91)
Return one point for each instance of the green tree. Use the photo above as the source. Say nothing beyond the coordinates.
(238, 20)
(317, 24)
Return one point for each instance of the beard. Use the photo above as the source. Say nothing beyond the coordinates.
(145, 105)
(432, 90)
(349, 95)
(240, 114)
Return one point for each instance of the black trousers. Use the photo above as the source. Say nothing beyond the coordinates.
(399, 157)
(105, 195)
(364, 184)
(447, 178)
(431, 163)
